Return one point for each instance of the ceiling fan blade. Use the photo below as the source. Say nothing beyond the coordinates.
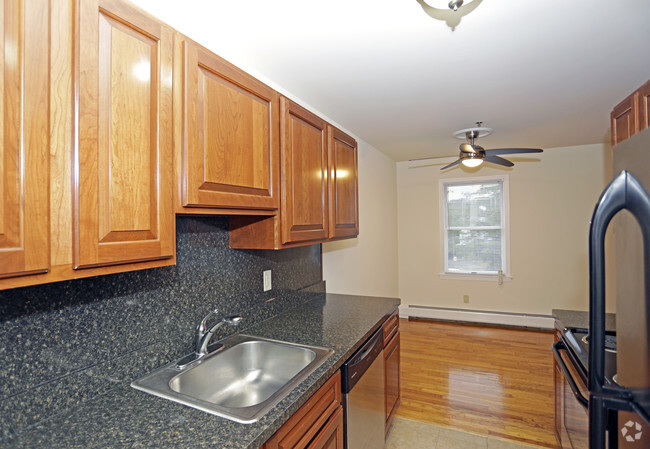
(513, 150)
(456, 162)
(498, 160)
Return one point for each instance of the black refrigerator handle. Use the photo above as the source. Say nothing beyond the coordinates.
(624, 192)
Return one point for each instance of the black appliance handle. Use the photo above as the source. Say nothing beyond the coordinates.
(624, 192)
(560, 346)
(358, 364)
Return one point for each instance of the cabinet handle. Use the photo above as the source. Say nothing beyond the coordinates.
(557, 347)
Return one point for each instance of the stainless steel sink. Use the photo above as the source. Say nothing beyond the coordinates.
(240, 381)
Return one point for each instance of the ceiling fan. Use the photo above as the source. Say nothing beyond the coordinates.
(473, 155)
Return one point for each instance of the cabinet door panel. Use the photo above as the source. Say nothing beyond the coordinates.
(331, 436)
(624, 119)
(644, 106)
(558, 381)
(230, 135)
(392, 367)
(307, 423)
(344, 197)
(123, 211)
(24, 154)
(304, 175)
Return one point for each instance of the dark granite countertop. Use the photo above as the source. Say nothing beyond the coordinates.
(577, 318)
(125, 417)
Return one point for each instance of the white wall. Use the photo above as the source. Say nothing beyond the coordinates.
(551, 202)
(367, 265)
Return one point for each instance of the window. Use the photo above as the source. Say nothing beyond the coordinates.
(475, 226)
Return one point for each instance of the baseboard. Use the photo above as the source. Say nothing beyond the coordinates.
(477, 316)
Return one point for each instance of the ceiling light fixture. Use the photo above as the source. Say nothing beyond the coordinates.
(456, 10)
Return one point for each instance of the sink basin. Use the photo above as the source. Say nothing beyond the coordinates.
(240, 380)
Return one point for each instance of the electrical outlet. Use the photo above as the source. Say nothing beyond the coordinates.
(466, 299)
(267, 280)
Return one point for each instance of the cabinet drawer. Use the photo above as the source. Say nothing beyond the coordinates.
(391, 326)
(331, 437)
(304, 425)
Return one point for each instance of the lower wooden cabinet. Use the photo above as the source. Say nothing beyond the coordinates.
(392, 366)
(318, 424)
(331, 436)
(557, 387)
(391, 358)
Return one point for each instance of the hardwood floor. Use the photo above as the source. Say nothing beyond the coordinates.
(486, 380)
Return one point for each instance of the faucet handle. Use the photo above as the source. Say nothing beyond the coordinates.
(233, 320)
(202, 327)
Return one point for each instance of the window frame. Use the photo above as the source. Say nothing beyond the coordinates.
(506, 274)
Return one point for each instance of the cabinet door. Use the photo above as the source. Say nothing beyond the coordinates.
(307, 423)
(558, 381)
(624, 119)
(231, 141)
(24, 151)
(644, 106)
(344, 195)
(123, 160)
(392, 365)
(331, 436)
(304, 175)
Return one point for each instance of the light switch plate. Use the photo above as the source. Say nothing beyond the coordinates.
(267, 280)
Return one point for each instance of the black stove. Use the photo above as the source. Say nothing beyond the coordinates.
(577, 342)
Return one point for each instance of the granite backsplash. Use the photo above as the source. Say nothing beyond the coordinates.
(66, 342)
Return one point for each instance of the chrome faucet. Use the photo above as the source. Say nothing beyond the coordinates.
(203, 334)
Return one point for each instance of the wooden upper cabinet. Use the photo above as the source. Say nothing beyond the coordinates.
(319, 199)
(304, 175)
(344, 196)
(644, 106)
(24, 153)
(230, 141)
(624, 119)
(122, 200)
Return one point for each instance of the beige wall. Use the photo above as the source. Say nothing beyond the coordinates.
(367, 265)
(551, 201)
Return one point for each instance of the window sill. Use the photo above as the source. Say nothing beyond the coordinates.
(474, 277)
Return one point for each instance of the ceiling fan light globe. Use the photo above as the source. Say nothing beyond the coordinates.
(472, 162)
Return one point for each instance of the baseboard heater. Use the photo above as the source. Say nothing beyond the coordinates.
(477, 316)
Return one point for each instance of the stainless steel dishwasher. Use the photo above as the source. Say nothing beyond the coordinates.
(364, 396)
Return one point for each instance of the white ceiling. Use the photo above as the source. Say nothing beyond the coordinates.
(542, 73)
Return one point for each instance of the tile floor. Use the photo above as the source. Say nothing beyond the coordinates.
(407, 434)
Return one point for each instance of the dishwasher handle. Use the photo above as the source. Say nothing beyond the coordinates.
(359, 363)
